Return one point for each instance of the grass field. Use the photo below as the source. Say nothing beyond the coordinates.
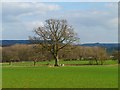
(109, 62)
(18, 75)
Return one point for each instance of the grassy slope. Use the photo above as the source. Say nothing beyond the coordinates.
(61, 77)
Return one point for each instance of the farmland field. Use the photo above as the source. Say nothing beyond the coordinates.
(25, 75)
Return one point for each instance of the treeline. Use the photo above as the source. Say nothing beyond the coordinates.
(17, 53)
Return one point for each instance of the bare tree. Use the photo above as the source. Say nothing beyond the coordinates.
(55, 34)
(116, 55)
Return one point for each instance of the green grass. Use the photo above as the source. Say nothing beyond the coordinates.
(108, 62)
(94, 76)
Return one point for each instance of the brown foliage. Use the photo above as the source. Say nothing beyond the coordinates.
(35, 52)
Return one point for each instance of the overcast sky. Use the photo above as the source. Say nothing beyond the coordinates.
(93, 21)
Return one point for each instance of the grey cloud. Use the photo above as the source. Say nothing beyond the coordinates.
(12, 10)
(15, 31)
(91, 25)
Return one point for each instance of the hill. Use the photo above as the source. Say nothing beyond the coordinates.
(12, 42)
(110, 47)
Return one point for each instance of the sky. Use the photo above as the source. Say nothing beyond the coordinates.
(93, 21)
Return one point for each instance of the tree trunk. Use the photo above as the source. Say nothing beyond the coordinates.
(118, 61)
(34, 62)
(101, 62)
(56, 60)
(96, 61)
(9, 62)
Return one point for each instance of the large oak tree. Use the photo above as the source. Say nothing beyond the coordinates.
(55, 35)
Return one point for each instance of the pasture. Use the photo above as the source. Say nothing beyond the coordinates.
(25, 75)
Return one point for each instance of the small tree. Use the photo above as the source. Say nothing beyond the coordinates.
(116, 55)
(55, 34)
(37, 53)
(8, 55)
